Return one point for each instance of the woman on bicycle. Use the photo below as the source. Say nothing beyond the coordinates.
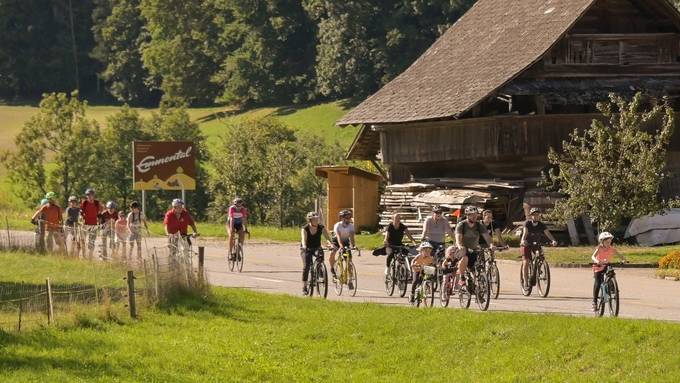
(436, 228)
(394, 236)
(424, 258)
(532, 234)
(493, 227)
(343, 236)
(311, 242)
(237, 222)
(603, 255)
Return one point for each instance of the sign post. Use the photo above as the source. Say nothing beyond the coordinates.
(163, 165)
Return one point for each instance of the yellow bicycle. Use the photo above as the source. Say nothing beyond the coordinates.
(346, 272)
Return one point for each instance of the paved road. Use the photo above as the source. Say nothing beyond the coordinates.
(277, 268)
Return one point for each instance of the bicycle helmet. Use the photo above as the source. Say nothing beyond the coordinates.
(89, 191)
(436, 209)
(424, 245)
(312, 215)
(50, 195)
(534, 210)
(110, 205)
(604, 235)
(177, 202)
(43, 201)
(238, 201)
(72, 199)
(345, 213)
(471, 210)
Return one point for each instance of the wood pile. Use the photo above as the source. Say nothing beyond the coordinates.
(399, 198)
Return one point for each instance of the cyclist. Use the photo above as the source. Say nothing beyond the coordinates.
(436, 228)
(237, 222)
(603, 255)
(108, 221)
(311, 242)
(53, 221)
(394, 235)
(532, 235)
(135, 220)
(178, 220)
(71, 226)
(493, 227)
(343, 236)
(122, 234)
(424, 258)
(90, 210)
(468, 233)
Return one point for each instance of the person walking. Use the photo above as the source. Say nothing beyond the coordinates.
(71, 228)
(135, 221)
(53, 219)
(90, 210)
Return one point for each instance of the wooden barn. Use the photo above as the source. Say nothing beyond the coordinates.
(511, 79)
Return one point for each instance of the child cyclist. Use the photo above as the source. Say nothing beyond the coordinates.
(424, 258)
(122, 234)
(603, 255)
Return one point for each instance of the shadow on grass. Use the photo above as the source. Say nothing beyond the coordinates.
(186, 301)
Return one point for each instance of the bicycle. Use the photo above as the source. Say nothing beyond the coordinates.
(609, 294)
(398, 271)
(318, 280)
(346, 272)
(539, 272)
(448, 287)
(476, 284)
(236, 258)
(492, 273)
(425, 292)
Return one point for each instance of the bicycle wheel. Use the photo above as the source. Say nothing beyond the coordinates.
(482, 292)
(601, 302)
(543, 278)
(352, 277)
(613, 301)
(420, 294)
(321, 280)
(444, 291)
(390, 279)
(239, 258)
(338, 279)
(402, 277)
(464, 297)
(428, 290)
(494, 281)
(231, 261)
(526, 287)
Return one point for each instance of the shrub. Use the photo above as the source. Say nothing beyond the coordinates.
(670, 260)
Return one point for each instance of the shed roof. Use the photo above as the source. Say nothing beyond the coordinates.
(495, 41)
(322, 171)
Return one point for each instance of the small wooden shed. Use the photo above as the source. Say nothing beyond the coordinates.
(353, 189)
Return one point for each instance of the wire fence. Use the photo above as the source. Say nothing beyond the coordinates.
(120, 286)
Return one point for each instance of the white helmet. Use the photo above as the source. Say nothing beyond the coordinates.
(604, 235)
(177, 202)
(471, 210)
(424, 245)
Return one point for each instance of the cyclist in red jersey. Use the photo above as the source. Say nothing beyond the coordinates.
(90, 209)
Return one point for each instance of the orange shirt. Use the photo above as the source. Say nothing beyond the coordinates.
(604, 255)
(53, 218)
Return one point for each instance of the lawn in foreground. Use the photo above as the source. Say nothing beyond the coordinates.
(238, 335)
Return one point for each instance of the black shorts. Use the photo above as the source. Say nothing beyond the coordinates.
(238, 226)
(336, 244)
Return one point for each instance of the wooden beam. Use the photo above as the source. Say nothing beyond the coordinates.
(380, 170)
(590, 233)
(573, 233)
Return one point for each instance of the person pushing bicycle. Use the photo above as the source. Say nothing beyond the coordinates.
(311, 242)
(603, 256)
(532, 234)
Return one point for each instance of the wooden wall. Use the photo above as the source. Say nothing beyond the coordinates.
(356, 193)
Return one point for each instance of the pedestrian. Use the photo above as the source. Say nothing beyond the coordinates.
(71, 228)
(122, 234)
(90, 210)
(39, 222)
(52, 214)
(108, 222)
(135, 220)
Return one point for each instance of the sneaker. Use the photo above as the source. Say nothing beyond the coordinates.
(594, 306)
(305, 291)
(411, 299)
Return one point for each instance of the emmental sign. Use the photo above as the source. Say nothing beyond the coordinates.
(164, 165)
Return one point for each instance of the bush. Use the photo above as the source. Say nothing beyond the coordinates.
(670, 260)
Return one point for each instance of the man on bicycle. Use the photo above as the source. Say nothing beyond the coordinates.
(343, 236)
(237, 222)
(468, 233)
(90, 210)
(394, 236)
(436, 228)
(311, 242)
(532, 235)
(177, 221)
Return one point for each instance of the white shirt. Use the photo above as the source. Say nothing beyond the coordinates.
(343, 230)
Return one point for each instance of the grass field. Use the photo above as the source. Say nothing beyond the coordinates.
(242, 336)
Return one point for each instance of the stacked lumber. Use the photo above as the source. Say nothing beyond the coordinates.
(399, 198)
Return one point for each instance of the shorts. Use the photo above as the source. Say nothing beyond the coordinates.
(238, 226)
(526, 251)
(336, 244)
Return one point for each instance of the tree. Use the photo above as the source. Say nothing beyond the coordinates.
(613, 171)
(120, 34)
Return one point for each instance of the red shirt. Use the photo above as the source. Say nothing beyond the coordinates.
(52, 214)
(89, 211)
(175, 224)
(107, 216)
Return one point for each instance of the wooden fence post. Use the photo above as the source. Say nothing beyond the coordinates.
(50, 307)
(21, 312)
(132, 301)
(201, 264)
(9, 238)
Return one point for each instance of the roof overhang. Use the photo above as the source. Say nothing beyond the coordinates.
(324, 171)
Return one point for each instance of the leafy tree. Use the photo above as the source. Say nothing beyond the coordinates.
(613, 171)
(120, 34)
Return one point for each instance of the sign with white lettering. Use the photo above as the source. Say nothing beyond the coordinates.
(164, 165)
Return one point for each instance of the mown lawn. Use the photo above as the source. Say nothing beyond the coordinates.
(242, 336)
(583, 254)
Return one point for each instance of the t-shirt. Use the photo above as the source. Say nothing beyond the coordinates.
(238, 215)
(90, 211)
(470, 234)
(121, 227)
(313, 240)
(109, 216)
(604, 255)
(52, 216)
(72, 214)
(135, 220)
(177, 224)
(436, 229)
(343, 230)
(490, 228)
(395, 235)
(534, 232)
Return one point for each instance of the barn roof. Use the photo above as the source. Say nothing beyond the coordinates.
(494, 42)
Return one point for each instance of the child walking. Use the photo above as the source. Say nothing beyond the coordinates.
(122, 234)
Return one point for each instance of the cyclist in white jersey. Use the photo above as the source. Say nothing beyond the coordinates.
(343, 236)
